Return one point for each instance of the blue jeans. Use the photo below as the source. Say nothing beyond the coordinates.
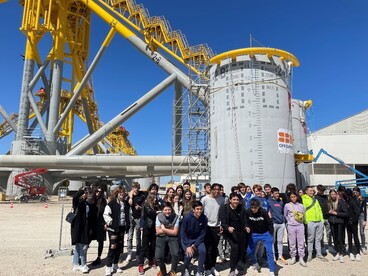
(80, 251)
(268, 244)
(202, 257)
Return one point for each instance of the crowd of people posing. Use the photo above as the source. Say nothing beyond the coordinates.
(249, 224)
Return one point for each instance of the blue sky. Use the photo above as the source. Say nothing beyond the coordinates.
(330, 39)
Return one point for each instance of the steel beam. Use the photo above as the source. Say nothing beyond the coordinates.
(89, 161)
(7, 118)
(122, 117)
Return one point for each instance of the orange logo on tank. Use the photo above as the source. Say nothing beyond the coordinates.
(285, 137)
(285, 141)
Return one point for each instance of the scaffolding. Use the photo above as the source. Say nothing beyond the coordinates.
(191, 128)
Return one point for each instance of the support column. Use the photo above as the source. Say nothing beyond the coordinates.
(178, 120)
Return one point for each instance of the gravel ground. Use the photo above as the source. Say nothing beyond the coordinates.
(28, 230)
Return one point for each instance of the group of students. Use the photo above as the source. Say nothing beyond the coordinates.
(249, 221)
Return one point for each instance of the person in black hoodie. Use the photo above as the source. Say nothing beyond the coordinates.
(323, 202)
(116, 216)
(232, 217)
(338, 213)
(193, 231)
(352, 225)
(98, 226)
(259, 225)
(80, 230)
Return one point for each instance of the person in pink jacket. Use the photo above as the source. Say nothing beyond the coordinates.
(294, 213)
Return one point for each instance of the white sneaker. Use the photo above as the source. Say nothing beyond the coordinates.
(128, 258)
(108, 270)
(272, 273)
(116, 269)
(186, 272)
(208, 273)
(342, 259)
(302, 263)
(215, 272)
(292, 261)
(352, 257)
(76, 268)
(336, 257)
(358, 258)
(364, 251)
(85, 269)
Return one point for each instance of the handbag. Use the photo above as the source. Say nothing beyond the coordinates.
(70, 217)
(298, 216)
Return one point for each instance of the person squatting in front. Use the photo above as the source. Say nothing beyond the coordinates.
(116, 216)
(193, 231)
(167, 229)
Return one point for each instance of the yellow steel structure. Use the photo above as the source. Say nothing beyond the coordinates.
(254, 51)
(157, 33)
(68, 24)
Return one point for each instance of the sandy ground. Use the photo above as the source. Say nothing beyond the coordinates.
(28, 230)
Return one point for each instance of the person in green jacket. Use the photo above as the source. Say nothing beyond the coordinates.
(314, 222)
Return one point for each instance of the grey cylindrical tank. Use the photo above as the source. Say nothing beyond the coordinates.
(250, 118)
(299, 123)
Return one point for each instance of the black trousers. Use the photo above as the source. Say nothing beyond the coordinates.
(352, 230)
(238, 243)
(148, 244)
(211, 242)
(337, 231)
(116, 246)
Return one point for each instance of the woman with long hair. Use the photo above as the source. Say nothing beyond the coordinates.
(338, 212)
(149, 213)
(116, 216)
(352, 225)
(179, 191)
(97, 205)
(80, 229)
(178, 206)
(169, 196)
(362, 217)
(187, 202)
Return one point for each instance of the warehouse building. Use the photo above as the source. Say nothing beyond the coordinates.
(346, 140)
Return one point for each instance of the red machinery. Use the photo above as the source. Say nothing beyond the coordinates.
(31, 190)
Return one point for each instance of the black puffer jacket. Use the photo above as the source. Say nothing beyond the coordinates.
(354, 211)
(342, 213)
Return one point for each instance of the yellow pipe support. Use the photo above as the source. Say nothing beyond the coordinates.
(307, 104)
(109, 37)
(121, 17)
(125, 32)
(256, 50)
